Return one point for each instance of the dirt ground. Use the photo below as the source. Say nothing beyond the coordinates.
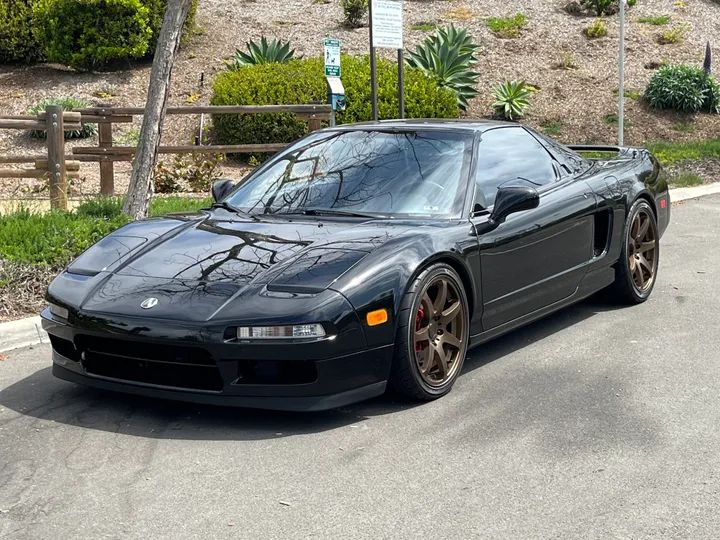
(578, 98)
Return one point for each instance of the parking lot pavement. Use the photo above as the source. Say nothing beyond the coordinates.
(597, 422)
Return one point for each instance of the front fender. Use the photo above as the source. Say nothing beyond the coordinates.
(381, 280)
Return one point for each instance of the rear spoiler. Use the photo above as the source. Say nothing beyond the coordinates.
(633, 152)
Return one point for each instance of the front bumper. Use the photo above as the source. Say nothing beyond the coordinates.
(162, 364)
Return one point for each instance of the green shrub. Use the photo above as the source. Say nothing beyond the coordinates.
(508, 28)
(675, 34)
(655, 21)
(303, 81)
(156, 14)
(17, 42)
(604, 7)
(447, 57)
(597, 29)
(511, 99)
(93, 33)
(67, 103)
(683, 88)
(354, 12)
(196, 171)
(273, 52)
(686, 179)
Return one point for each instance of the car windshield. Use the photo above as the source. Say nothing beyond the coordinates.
(386, 173)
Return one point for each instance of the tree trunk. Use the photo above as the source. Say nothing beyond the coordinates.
(141, 186)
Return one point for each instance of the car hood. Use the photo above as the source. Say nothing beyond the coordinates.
(194, 264)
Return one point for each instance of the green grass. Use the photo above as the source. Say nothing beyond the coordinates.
(552, 128)
(629, 94)
(656, 21)
(685, 127)
(423, 26)
(54, 238)
(686, 180)
(670, 153)
(507, 27)
(612, 119)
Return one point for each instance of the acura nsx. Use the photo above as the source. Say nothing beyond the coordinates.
(360, 259)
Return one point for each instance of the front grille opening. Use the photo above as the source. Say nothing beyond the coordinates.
(64, 348)
(276, 372)
(191, 368)
(177, 354)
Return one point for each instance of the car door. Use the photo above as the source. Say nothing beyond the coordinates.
(536, 257)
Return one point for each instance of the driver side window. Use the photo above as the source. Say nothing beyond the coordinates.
(510, 156)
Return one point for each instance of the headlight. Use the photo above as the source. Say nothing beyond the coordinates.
(281, 332)
(58, 311)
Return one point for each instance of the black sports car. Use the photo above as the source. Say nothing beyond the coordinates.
(361, 258)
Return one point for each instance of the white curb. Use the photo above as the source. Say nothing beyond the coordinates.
(28, 332)
(683, 194)
(22, 333)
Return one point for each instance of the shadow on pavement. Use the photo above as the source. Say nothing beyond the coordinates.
(44, 397)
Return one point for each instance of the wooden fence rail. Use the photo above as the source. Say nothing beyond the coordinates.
(58, 167)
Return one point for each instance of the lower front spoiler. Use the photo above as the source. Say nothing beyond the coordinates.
(297, 403)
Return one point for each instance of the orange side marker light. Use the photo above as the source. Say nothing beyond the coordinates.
(377, 317)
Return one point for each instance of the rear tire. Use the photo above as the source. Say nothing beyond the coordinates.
(432, 336)
(639, 257)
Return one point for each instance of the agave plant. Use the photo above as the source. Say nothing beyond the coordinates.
(447, 57)
(67, 104)
(511, 99)
(265, 52)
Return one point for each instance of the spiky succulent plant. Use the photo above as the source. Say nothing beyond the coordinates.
(266, 52)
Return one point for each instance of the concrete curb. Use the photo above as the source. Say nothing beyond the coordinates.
(22, 333)
(683, 194)
(28, 332)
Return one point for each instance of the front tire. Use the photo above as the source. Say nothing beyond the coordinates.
(638, 264)
(432, 336)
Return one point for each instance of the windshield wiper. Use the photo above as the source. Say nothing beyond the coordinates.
(332, 212)
(230, 208)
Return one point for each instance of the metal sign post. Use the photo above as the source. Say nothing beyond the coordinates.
(335, 89)
(386, 31)
(621, 104)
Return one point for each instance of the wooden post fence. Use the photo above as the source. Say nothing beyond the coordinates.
(58, 167)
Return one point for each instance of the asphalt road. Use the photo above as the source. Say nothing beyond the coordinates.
(594, 423)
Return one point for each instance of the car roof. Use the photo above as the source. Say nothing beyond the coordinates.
(430, 123)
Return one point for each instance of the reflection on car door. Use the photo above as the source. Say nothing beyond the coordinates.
(537, 257)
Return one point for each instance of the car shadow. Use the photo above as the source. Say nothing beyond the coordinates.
(45, 397)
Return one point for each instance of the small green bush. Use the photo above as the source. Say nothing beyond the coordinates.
(597, 29)
(354, 12)
(156, 14)
(508, 28)
(17, 42)
(683, 88)
(67, 103)
(675, 34)
(655, 21)
(194, 172)
(303, 81)
(604, 7)
(93, 33)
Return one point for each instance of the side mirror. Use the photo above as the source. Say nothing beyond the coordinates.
(510, 200)
(221, 189)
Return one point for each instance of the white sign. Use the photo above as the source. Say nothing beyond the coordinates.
(332, 58)
(387, 23)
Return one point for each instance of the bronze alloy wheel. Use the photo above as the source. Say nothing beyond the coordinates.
(440, 332)
(642, 251)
